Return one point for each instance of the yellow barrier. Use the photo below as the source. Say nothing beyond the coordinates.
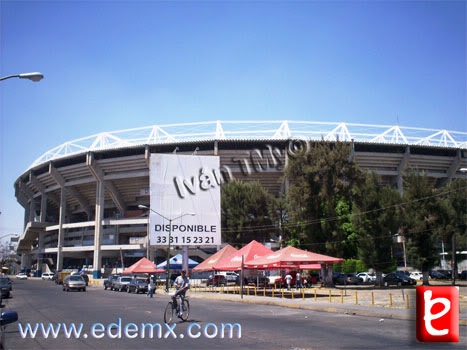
(273, 290)
(407, 301)
(303, 294)
(390, 300)
(372, 299)
(315, 294)
(329, 295)
(264, 291)
(342, 296)
(255, 290)
(356, 298)
(282, 290)
(293, 294)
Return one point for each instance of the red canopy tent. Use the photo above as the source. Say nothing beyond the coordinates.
(250, 252)
(291, 257)
(208, 264)
(143, 266)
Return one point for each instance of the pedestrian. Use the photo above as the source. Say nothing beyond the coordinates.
(298, 281)
(151, 287)
(288, 279)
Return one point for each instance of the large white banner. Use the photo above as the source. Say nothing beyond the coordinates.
(182, 185)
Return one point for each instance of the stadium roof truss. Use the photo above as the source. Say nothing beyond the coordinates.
(256, 130)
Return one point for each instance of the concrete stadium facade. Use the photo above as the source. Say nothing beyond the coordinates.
(81, 198)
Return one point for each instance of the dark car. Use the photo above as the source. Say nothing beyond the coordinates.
(6, 318)
(216, 280)
(257, 281)
(398, 279)
(436, 275)
(348, 278)
(5, 287)
(447, 274)
(138, 285)
(463, 275)
(109, 281)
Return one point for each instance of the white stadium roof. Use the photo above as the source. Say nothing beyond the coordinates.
(256, 130)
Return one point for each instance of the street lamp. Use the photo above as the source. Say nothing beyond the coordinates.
(170, 234)
(36, 76)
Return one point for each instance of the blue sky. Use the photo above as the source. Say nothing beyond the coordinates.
(123, 64)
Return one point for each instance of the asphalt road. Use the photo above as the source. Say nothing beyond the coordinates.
(262, 326)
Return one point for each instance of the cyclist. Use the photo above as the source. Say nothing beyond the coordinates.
(182, 283)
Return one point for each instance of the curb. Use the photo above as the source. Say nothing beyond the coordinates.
(369, 312)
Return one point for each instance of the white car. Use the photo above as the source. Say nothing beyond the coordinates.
(416, 275)
(47, 275)
(367, 277)
(21, 276)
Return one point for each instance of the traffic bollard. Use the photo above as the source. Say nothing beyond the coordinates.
(329, 295)
(372, 299)
(342, 296)
(303, 294)
(390, 300)
(356, 298)
(264, 291)
(407, 301)
(315, 294)
(255, 290)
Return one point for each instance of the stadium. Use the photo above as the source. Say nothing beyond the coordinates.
(95, 185)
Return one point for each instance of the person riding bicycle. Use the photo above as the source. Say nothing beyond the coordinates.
(182, 284)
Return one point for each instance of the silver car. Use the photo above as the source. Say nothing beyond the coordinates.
(74, 282)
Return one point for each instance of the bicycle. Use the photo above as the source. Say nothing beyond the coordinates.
(171, 310)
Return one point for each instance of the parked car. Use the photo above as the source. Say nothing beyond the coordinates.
(6, 318)
(463, 275)
(398, 279)
(21, 276)
(121, 284)
(416, 275)
(436, 275)
(47, 276)
(367, 277)
(138, 285)
(348, 278)
(231, 277)
(109, 281)
(74, 282)
(447, 274)
(4, 287)
(258, 281)
(216, 280)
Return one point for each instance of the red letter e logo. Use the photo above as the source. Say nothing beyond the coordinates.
(437, 314)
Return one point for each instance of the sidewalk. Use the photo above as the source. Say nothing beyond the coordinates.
(310, 304)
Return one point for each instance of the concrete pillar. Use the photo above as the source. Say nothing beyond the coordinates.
(185, 259)
(26, 216)
(216, 148)
(61, 230)
(32, 210)
(43, 217)
(26, 261)
(97, 262)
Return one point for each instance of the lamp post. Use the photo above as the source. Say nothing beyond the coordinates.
(170, 236)
(36, 76)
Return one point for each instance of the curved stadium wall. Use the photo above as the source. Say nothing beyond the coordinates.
(60, 189)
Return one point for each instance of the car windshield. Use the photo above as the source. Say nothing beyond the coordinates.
(76, 278)
(126, 279)
(139, 281)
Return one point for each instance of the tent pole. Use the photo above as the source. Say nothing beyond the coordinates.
(241, 280)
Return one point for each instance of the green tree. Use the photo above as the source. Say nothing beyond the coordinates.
(322, 178)
(424, 217)
(375, 220)
(454, 232)
(245, 212)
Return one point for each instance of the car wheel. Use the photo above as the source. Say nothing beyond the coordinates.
(120, 289)
(386, 284)
(105, 287)
(399, 283)
(128, 290)
(84, 289)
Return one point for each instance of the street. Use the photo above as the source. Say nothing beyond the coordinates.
(262, 326)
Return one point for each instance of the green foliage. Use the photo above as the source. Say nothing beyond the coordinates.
(321, 182)
(350, 266)
(423, 216)
(245, 208)
(376, 220)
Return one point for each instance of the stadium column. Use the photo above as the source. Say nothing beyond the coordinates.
(98, 229)
(400, 170)
(42, 219)
(61, 230)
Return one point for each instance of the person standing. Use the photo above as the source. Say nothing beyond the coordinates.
(151, 287)
(288, 279)
(298, 281)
